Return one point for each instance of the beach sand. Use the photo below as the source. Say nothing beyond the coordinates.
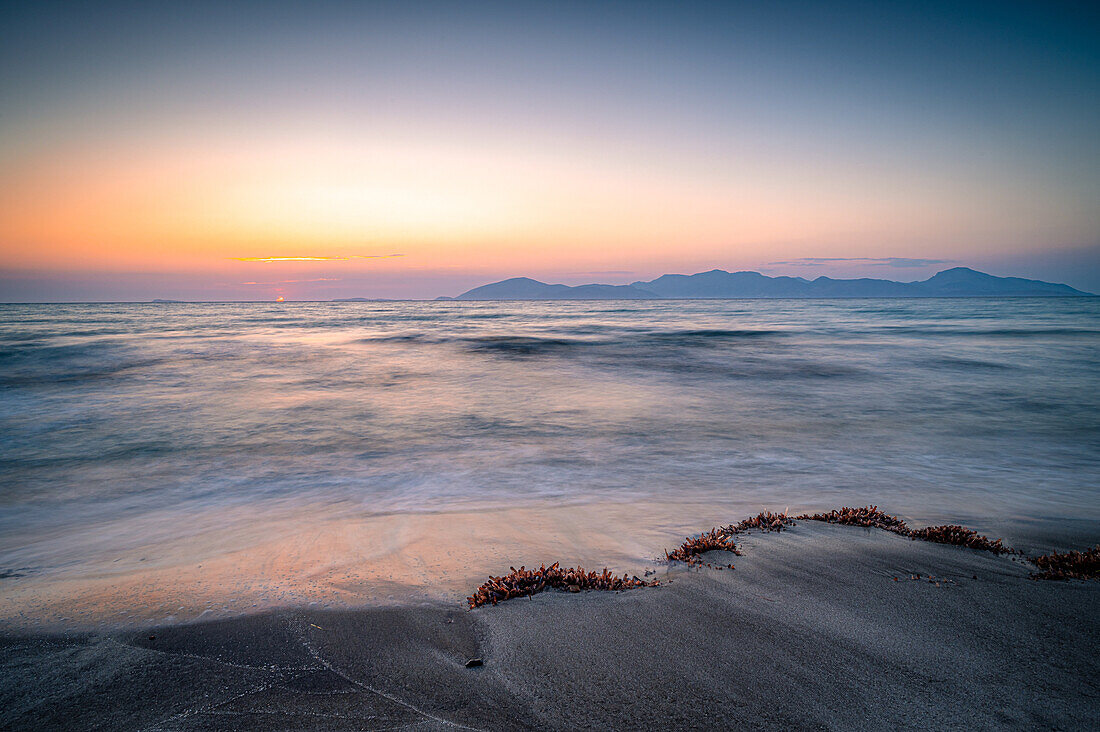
(810, 631)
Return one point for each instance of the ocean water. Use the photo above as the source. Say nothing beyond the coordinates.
(138, 436)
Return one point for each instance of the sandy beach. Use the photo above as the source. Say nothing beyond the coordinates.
(821, 626)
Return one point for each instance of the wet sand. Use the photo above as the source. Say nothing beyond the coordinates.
(325, 560)
(810, 631)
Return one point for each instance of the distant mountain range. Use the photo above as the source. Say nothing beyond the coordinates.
(956, 282)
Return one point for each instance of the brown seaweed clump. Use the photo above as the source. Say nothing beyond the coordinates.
(713, 540)
(959, 536)
(1070, 565)
(524, 582)
(867, 516)
(765, 521)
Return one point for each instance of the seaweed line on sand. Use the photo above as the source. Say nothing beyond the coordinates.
(764, 521)
(691, 550)
(523, 582)
(868, 516)
(960, 536)
(1069, 565)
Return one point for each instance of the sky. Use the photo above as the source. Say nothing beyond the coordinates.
(246, 151)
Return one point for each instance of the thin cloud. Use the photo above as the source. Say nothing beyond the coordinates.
(314, 259)
(872, 261)
(285, 282)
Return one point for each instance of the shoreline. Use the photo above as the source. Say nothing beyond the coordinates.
(811, 629)
(404, 560)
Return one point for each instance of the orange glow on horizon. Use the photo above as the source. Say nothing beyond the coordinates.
(314, 259)
(438, 205)
(410, 152)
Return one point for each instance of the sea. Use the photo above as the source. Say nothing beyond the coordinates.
(180, 460)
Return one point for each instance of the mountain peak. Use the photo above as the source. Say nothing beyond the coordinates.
(960, 273)
(522, 279)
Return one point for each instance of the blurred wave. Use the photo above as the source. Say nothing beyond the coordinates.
(115, 416)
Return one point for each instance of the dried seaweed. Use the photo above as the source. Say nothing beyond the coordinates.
(867, 516)
(713, 540)
(524, 582)
(1069, 565)
(765, 521)
(959, 536)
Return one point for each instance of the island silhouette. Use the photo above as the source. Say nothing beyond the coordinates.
(719, 284)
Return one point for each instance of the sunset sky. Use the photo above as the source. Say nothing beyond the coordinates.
(320, 150)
